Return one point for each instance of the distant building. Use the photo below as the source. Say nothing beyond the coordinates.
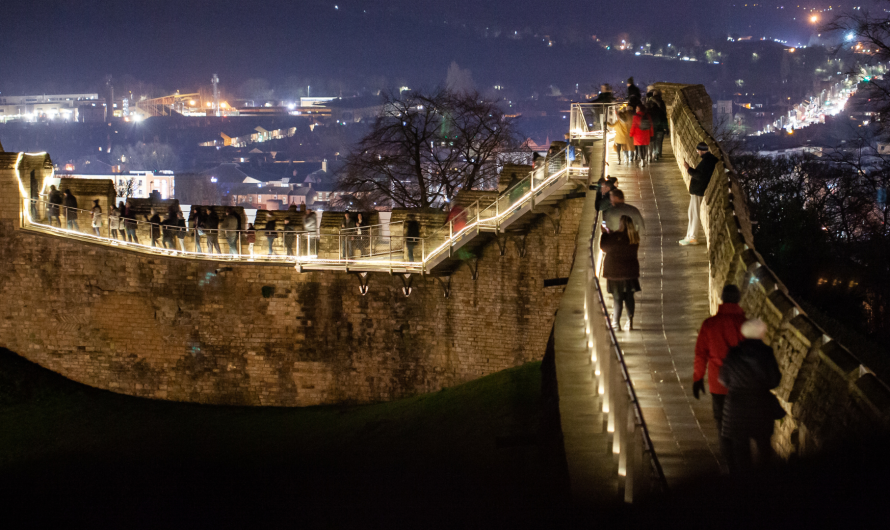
(46, 106)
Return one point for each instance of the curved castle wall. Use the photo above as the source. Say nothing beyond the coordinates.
(265, 334)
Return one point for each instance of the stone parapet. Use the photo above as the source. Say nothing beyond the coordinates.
(830, 396)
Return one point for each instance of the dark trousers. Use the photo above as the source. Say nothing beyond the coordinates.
(131, 235)
(411, 247)
(657, 142)
(717, 401)
(642, 152)
(742, 458)
(620, 300)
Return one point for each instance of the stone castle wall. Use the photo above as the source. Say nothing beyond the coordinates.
(264, 334)
(830, 396)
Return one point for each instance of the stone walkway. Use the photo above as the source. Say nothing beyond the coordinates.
(669, 312)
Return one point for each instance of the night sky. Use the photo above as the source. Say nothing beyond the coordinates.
(62, 45)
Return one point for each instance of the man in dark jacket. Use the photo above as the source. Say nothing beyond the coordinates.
(271, 234)
(749, 372)
(70, 202)
(604, 189)
(605, 95)
(658, 112)
(718, 334)
(290, 236)
(155, 228)
(412, 235)
(700, 177)
(129, 217)
(231, 224)
(634, 97)
(55, 201)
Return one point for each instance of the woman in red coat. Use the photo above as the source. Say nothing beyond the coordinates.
(621, 268)
(642, 131)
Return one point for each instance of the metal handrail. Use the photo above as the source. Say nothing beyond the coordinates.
(649, 448)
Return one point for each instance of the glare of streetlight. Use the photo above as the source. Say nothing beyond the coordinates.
(814, 18)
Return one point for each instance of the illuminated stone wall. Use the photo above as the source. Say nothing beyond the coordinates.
(264, 334)
(830, 396)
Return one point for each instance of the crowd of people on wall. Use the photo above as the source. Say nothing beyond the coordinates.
(730, 350)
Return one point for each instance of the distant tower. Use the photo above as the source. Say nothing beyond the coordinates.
(215, 82)
(109, 104)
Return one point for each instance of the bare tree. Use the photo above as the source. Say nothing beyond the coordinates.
(127, 189)
(424, 148)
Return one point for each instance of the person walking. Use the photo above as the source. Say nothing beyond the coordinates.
(195, 227)
(251, 239)
(168, 230)
(271, 234)
(54, 206)
(623, 141)
(621, 268)
(749, 372)
(180, 229)
(114, 224)
(70, 203)
(641, 132)
(612, 215)
(96, 217)
(155, 227)
(346, 227)
(210, 223)
(361, 232)
(717, 335)
(699, 178)
(412, 236)
(658, 111)
(129, 219)
(310, 226)
(290, 236)
(230, 228)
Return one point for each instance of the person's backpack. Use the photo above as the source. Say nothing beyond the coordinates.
(645, 123)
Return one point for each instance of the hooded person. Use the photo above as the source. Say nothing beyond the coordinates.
(749, 372)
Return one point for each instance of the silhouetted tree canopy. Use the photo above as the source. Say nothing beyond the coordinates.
(423, 148)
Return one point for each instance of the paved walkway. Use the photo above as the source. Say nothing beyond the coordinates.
(669, 312)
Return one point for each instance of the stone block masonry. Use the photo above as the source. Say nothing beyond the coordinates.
(264, 334)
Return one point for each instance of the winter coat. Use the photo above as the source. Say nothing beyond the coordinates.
(603, 201)
(155, 226)
(612, 216)
(641, 136)
(114, 219)
(96, 217)
(633, 91)
(290, 234)
(71, 205)
(622, 134)
(621, 261)
(412, 229)
(55, 199)
(700, 175)
(749, 372)
(129, 218)
(270, 230)
(603, 97)
(717, 335)
(310, 222)
(658, 113)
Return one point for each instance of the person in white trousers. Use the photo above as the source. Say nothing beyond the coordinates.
(700, 177)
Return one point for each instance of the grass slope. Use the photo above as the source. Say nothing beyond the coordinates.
(479, 449)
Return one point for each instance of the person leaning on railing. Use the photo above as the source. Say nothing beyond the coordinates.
(290, 236)
(114, 223)
(412, 235)
(194, 224)
(180, 229)
(271, 234)
(168, 228)
(310, 226)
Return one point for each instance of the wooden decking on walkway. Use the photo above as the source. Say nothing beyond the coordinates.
(669, 313)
